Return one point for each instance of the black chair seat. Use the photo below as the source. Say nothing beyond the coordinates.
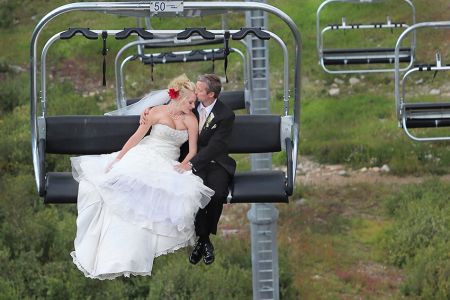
(60, 188)
(427, 115)
(248, 187)
(423, 106)
(427, 123)
(259, 187)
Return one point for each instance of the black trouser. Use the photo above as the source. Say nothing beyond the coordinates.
(215, 177)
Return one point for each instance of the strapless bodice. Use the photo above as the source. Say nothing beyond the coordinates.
(165, 140)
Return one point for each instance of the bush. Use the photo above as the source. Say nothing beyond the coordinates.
(429, 273)
(7, 12)
(14, 92)
(419, 238)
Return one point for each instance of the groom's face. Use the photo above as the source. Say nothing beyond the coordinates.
(201, 90)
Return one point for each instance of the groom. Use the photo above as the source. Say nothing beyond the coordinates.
(211, 163)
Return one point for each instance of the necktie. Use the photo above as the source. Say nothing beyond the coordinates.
(202, 119)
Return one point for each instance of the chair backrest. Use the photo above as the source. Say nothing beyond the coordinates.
(105, 134)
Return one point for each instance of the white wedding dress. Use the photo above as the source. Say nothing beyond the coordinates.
(140, 209)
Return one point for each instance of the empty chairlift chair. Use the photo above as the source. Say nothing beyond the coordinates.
(420, 114)
(349, 60)
(234, 99)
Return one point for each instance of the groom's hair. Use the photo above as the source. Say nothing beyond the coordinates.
(212, 82)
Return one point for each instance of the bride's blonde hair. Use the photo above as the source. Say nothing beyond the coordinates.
(181, 84)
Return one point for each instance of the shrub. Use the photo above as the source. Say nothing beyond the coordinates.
(419, 238)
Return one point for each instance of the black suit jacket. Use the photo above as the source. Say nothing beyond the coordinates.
(212, 144)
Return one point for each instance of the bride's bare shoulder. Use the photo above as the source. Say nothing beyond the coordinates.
(158, 109)
(190, 120)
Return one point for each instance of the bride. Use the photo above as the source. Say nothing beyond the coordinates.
(133, 205)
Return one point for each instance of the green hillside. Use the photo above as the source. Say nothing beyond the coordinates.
(358, 224)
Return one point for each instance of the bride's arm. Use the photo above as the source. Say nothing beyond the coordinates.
(137, 136)
(192, 126)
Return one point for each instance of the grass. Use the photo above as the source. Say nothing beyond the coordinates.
(333, 238)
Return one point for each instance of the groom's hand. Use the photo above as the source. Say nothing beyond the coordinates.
(144, 116)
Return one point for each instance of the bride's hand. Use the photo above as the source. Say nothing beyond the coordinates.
(181, 168)
(143, 119)
(111, 164)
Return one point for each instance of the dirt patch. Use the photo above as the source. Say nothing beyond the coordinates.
(312, 173)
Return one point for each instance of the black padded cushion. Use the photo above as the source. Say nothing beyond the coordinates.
(259, 187)
(106, 134)
(88, 134)
(248, 187)
(233, 99)
(417, 114)
(427, 123)
(60, 188)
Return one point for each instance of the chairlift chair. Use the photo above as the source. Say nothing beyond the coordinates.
(92, 134)
(420, 114)
(234, 99)
(351, 60)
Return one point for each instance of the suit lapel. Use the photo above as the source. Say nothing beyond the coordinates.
(216, 112)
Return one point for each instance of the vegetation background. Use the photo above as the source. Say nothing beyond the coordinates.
(360, 239)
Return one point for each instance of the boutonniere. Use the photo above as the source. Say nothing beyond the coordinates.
(209, 119)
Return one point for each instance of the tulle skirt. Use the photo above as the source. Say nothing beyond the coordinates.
(140, 209)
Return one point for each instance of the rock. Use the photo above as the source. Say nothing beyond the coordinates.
(338, 81)
(334, 85)
(375, 169)
(420, 81)
(301, 201)
(334, 91)
(228, 232)
(435, 92)
(385, 169)
(16, 69)
(354, 81)
(363, 170)
(343, 173)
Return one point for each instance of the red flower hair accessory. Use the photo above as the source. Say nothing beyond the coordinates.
(173, 94)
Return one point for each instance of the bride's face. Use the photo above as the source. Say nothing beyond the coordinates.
(188, 104)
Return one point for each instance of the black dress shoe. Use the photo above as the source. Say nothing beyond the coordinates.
(196, 253)
(208, 253)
